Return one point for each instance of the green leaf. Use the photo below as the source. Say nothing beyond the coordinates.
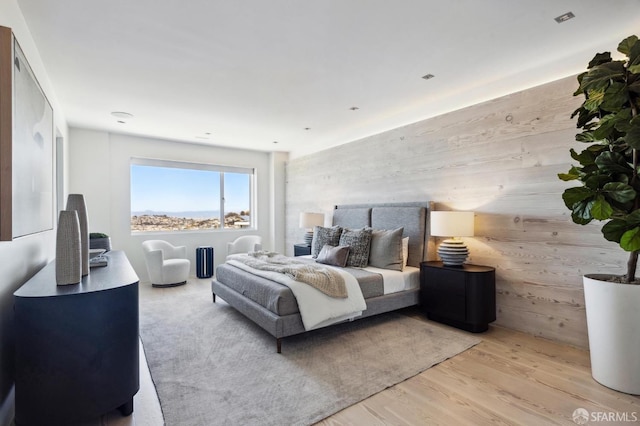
(633, 134)
(579, 220)
(605, 126)
(614, 229)
(626, 44)
(614, 98)
(601, 209)
(572, 174)
(601, 75)
(582, 212)
(633, 219)
(584, 116)
(595, 97)
(599, 59)
(634, 68)
(630, 240)
(613, 162)
(596, 181)
(585, 137)
(567, 177)
(635, 86)
(634, 54)
(622, 120)
(575, 195)
(619, 192)
(579, 91)
(585, 157)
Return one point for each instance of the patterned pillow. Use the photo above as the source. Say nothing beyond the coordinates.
(359, 242)
(322, 236)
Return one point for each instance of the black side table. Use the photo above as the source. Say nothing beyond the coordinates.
(301, 249)
(460, 296)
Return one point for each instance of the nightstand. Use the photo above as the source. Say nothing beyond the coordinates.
(301, 249)
(460, 296)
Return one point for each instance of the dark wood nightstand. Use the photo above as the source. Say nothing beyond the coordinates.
(460, 296)
(301, 249)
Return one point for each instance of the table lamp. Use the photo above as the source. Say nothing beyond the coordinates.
(309, 221)
(453, 251)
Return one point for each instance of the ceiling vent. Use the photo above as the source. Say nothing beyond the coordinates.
(564, 17)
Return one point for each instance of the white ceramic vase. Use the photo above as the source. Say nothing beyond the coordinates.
(76, 202)
(613, 317)
(68, 249)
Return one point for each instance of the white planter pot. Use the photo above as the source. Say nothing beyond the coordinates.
(613, 318)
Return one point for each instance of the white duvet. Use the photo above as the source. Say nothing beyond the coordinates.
(316, 308)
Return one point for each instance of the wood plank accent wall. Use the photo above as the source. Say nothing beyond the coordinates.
(499, 159)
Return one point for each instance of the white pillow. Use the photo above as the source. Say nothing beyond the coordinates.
(405, 251)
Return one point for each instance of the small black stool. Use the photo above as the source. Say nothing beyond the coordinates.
(204, 262)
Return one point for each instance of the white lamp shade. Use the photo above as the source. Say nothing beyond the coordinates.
(309, 220)
(452, 224)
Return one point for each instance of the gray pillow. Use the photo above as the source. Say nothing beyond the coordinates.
(359, 241)
(386, 249)
(322, 236)
(336, 256)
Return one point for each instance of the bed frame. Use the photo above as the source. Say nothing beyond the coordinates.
(414, 217)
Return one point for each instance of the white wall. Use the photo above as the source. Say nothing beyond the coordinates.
(22, 258)
(99, 167)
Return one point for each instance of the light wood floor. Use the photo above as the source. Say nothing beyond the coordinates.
(510, 378)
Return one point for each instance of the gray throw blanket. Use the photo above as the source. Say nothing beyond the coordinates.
(322, 278)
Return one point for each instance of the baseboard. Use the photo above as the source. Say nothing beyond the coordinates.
(7, 408)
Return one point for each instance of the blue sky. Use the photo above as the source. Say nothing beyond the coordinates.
(171, 189)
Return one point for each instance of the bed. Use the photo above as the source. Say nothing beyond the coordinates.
(273, 306)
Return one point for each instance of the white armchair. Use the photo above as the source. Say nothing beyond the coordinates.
(245, 244)
(167, 264)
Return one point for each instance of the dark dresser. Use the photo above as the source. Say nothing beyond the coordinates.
(76, 345)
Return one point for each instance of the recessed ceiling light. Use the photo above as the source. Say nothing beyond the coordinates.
(354, 108)
(122, 115)
(428, 76)
(564, 17)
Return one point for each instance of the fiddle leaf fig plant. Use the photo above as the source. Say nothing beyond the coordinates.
(609, 124)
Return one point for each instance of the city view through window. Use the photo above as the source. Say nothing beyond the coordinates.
(178, 198)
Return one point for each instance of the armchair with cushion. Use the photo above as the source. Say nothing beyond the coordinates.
(167, 264)
(245, 244)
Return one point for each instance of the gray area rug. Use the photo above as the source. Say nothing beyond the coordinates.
(212, 366)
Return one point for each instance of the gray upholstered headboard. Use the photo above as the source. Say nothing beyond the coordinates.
(413, 217)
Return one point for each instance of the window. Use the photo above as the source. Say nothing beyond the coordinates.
(176, 196)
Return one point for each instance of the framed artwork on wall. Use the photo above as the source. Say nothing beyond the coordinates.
(26, 146)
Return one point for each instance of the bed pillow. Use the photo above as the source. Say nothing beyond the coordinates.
(386, 249)
(405, 251)
(322, 236)
(359, 242)
(336, 256)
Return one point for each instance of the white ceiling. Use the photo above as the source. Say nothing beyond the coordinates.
(246, 73)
